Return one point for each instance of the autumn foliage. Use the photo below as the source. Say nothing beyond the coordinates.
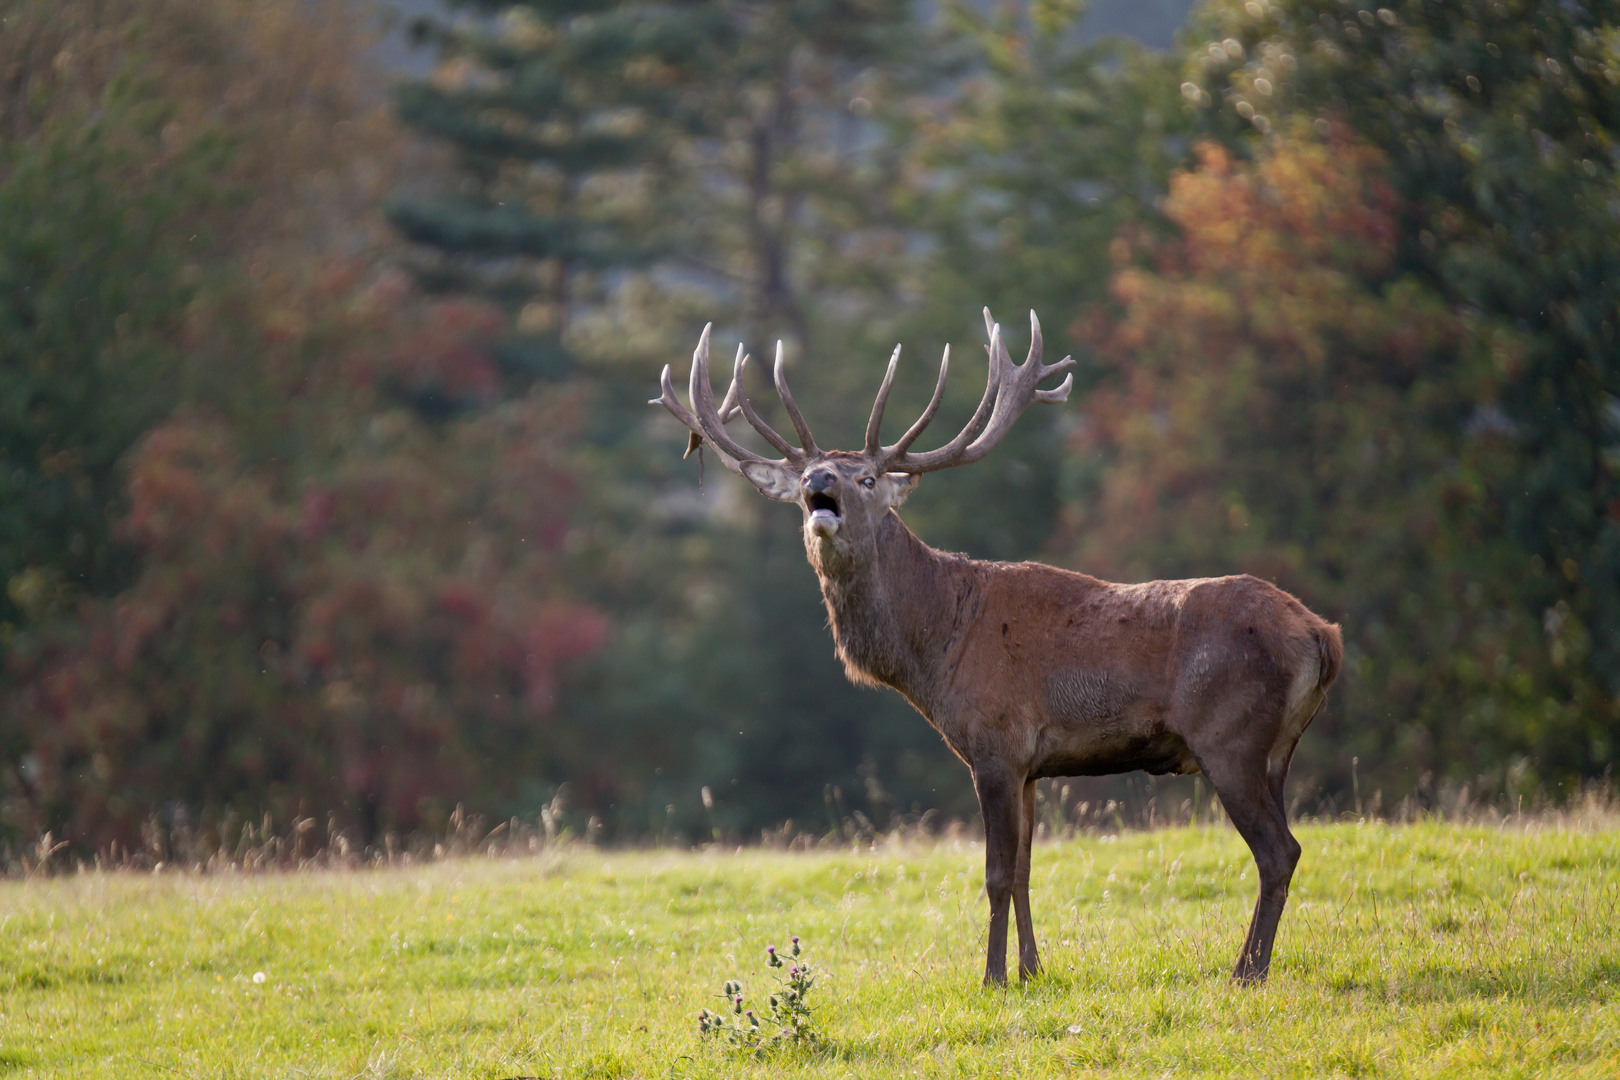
(345, 591)
(367, 636)
(1285, 401)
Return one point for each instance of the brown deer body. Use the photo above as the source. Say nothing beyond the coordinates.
(1029, 671)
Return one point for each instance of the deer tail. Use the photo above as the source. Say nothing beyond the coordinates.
(1330, 653)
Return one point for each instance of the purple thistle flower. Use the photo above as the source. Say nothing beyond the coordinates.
(795, 939)
(771, 949)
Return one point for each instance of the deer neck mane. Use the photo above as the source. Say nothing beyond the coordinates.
(894, 609)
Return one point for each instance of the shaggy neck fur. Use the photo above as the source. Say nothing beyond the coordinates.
(898, 608)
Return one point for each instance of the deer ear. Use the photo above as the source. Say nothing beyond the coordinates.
(901, 485)
(773, 481)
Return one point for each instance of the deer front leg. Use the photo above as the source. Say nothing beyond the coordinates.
(1029, 957)
(1000, 804)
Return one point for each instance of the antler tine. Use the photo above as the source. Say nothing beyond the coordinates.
(1015, 389)
(669, 401)
(1000, 364)
(728, 412)
(700, 391)
(782, 446)
(874, 426)
(899, 448)
(800, 428)
(900, 461)
(710, 422)
(695, 436)
(1059, 393)
(729, 409)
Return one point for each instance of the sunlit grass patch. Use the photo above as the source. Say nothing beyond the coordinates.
(1417, 950)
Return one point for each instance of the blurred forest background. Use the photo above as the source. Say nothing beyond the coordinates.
(329, 490)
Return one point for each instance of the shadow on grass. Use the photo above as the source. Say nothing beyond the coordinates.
(60, 977)
(1542, 984)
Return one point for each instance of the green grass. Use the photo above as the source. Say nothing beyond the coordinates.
(1417, 950)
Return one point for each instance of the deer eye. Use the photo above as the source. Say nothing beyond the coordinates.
(869, 482)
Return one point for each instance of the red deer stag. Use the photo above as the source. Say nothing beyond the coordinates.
(1028, 671)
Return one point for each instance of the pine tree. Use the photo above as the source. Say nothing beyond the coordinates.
(758, 192)
(565, 119)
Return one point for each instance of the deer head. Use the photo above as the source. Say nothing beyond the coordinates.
(845, 493)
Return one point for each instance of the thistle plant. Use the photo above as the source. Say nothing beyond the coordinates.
(787, 1019)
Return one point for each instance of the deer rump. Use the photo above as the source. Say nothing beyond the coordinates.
(1029, 671)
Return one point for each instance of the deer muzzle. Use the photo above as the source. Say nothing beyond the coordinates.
(824, 517)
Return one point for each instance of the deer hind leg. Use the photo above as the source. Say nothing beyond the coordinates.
(1000, 805)
(1253, 802)
(1029, 957)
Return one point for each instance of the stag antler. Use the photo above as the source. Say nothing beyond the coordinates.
(705, 421)
(1008, 391)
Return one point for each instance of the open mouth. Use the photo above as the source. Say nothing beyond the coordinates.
(823, 512)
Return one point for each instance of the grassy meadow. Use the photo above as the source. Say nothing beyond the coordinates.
(1407, 950)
